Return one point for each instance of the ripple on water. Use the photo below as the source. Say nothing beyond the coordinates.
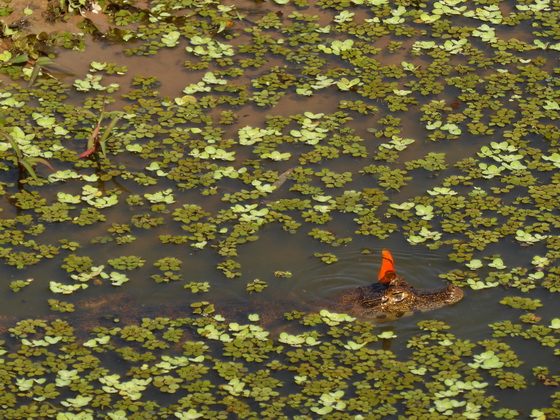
(354, 269)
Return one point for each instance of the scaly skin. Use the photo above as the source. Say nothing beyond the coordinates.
(395, 300)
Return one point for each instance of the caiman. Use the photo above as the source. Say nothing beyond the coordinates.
(392, 297)
(388, 299)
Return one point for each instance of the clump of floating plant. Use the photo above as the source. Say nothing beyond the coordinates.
(327, 258)
(169, 266)
(256, 286)
(17, 285)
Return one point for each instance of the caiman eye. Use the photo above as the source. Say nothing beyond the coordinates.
(398, 296)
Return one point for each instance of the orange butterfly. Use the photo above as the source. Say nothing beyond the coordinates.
(387, 271)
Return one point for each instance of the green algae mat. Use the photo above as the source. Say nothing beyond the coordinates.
(196, 150)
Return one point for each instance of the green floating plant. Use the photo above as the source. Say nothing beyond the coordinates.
(126, 262)
(326, 258)
(198, 287)
(256, 286)
(17, 285)
(521, 303)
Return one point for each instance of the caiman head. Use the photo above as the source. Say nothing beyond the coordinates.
(396, 300)
(392, 297)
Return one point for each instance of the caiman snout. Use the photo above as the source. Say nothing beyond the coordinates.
(455, 294)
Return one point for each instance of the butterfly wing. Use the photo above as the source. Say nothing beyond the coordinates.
(387, 271)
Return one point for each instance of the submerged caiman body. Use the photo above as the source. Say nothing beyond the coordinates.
(388, 299)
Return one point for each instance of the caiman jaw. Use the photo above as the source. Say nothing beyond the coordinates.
(427, 300)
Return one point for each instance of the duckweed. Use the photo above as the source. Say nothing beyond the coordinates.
(453, 148)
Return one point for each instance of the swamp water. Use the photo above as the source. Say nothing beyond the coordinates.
(256, 158)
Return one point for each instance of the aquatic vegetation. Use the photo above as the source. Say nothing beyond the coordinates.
(51, 366)
(452, 147)
(21, 148)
